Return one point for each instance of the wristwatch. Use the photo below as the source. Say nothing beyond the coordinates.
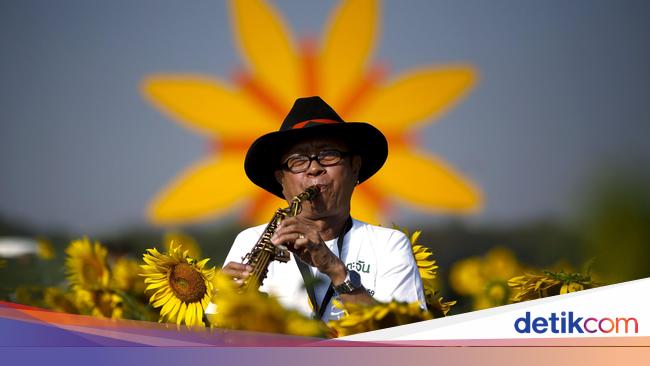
(351, 283)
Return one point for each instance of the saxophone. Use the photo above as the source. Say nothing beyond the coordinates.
(264, 252)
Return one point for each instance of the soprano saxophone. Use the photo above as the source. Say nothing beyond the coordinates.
(264, 252)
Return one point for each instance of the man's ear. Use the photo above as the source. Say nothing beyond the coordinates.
(279, 176)
(356, 165)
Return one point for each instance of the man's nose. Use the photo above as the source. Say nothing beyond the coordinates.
(315, 168)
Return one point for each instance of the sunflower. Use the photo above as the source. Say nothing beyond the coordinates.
(427, 268)
(103, 303)
(45, 250)
(86, 265)
(125, 276)
(181, 286)
(485, 279)
(535, 286)
(59, 300)
(184, 240)
(253, 311)
(363, 318)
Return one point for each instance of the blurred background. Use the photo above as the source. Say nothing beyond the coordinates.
(518, 129)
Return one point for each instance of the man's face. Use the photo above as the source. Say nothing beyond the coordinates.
(336, 182)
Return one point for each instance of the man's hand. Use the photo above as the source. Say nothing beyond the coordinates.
(237, 271)
(302, 238)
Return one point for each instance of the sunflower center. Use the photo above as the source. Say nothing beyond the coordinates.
(92, 272)
(187, 283)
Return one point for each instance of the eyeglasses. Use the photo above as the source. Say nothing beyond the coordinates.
(299, 163)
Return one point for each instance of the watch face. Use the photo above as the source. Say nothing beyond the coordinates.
(355, 279)
(351, 283)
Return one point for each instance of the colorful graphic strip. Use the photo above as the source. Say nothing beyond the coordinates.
(30, 335)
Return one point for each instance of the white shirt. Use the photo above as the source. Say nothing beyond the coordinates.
(383, 258)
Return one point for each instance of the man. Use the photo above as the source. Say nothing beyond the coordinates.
(332, 253)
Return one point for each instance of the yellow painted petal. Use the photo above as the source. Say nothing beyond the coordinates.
(364, 207)
(425, 181)
(265, 206)
(266, 44)
(207, 188)
(416, 97)
(348, 42)
(205, 104)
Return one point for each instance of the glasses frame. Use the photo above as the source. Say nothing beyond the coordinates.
(313, 157)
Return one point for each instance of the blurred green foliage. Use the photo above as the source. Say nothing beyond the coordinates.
(614, 222)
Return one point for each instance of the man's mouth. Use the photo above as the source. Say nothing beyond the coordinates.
(322, 187)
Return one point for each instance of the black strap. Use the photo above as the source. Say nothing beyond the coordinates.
(308, 277)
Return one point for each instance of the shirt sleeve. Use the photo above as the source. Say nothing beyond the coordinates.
(243, 244)
(399, 275)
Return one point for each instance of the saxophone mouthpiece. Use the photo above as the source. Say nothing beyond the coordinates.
(312, 192)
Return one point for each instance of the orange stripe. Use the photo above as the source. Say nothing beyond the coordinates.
(363, 89)
(308, 53)
(318, 120)
(260, 199)
(257, 91)
(375, 196)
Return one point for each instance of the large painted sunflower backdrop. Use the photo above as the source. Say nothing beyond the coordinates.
(278, 70)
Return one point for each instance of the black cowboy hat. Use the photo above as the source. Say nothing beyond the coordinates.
(312, 117)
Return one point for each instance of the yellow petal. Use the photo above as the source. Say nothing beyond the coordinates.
(202, 263)
(159, 294)
(174, 311)
(199, 314)
(426, 182)
(266, 44)
(365, 206)
(348, 42)
(564, 289)
(154, 277)
(208, 106)
(163, 300)
(156, 285)
(189, 317)
(181, 313)
(169, 305)
(425, 263)
(415, 237)
(207, 188)
(416, 97)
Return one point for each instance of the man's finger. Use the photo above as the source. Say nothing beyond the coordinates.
(237, 270)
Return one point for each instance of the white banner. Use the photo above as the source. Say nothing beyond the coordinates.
(619, 310)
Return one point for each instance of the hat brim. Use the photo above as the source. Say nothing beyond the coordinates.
(263, 157)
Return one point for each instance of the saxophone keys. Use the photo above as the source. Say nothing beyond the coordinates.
(282, 254)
